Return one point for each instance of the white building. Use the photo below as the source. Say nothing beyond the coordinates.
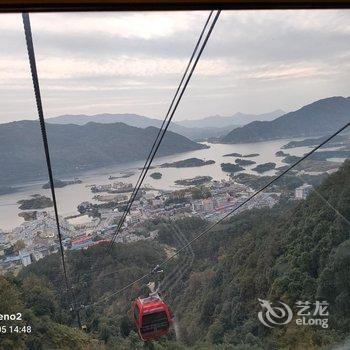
(203, 205)
(208, 204)
(37, 255)
(303, 191)
(221, 200)
(157, 201)
(25, 258)
(197, 206)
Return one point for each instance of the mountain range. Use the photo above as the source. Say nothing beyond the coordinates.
(140, 121)
(236, 119)
(199, 129)
(75, 148)
(318, 118)
(77, 143)
(136, 120)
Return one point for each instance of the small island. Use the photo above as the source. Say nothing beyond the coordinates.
(239, 155)
(232, 155)
(188, 163)
(156, 176)
(327, 155)
(254, 181)
(335, 142)
(282, 168)
(36, 202)
(122, 176)
(244, 162)
(281, 154)
(231, 168)
(287, 183)
(251, 155)
(290, 159)
(261, 168)
(28, 215)
(303, 143)
(61, 183)
(196, 181)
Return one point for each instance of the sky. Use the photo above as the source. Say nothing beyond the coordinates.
(255, 62)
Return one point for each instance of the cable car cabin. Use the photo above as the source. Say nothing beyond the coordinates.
(152, 317)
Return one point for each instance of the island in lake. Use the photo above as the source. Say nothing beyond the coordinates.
(28, 215)
(123, 176)
(62, 183)
(261, 168)
(239, 155)
(328, 155)
(196, 181)
(244, 162)
(290, 159)
(36, 202)
(232, 155)
(231, 168)
(281, 154)
(335, 142)
(251, 155)
(156, 176)
(187, 163)
(289, 182)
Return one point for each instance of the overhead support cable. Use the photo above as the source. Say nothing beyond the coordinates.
(147, 162)
(171, 111)
(36, 86)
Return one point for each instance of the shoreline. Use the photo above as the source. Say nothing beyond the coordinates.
(69, 197)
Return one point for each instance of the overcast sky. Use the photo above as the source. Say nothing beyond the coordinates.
(255, 62)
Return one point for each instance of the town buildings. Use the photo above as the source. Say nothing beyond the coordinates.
(34, 239)
(303, 191)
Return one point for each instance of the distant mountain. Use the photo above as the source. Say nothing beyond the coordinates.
(77, 147)
(200, 134)
(136, 120)
(140, 121)
(318, 118)
(224, 122)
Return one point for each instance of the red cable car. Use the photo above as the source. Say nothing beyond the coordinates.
(152, 317)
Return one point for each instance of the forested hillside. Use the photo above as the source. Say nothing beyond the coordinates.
(295, 251)
(37, 300)
(321, 117)
(76, 148)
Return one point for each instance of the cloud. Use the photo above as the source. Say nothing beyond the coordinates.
(131, 25)
(132, 62)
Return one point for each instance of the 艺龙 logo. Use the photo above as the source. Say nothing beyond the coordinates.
(271, 316)
(308, 314)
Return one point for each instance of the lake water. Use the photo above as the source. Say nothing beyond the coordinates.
(70, 196)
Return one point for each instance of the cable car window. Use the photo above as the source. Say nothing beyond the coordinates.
(136, 312)
(157, 320)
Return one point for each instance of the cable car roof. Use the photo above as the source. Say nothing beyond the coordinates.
(151, 304)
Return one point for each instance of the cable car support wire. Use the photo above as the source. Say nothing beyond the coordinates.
(170, 113)
(36, 86)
